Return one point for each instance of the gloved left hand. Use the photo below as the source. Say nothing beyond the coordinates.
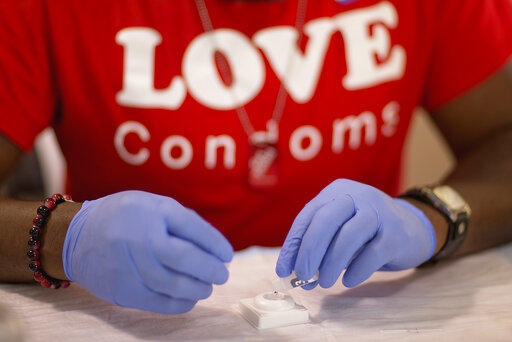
(353, 226)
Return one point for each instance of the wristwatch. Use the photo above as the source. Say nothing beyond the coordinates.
(454, 209)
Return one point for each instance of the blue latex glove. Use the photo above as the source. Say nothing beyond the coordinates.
(353, 226)
(145, 251)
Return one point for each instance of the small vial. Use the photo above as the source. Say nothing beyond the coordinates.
(291, 282)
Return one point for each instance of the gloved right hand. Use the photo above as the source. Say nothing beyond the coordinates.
(145, 251)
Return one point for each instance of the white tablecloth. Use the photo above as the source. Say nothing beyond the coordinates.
(468, 299)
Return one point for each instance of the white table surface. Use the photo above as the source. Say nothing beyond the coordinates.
(468, 299)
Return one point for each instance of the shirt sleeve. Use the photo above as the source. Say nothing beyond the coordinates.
(27, 101)
(472, 40)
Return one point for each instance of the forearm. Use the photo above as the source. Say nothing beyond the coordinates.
(15, 222)
(483, 177)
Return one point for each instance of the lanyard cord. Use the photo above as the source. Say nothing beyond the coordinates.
(223, 67)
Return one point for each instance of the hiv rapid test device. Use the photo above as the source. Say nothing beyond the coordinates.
(272, 310)
(276, 309)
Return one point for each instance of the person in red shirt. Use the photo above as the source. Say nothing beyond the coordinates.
(259, 116)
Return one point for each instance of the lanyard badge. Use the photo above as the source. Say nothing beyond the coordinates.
(263, 156)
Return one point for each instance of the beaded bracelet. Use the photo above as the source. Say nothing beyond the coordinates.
(34, 243)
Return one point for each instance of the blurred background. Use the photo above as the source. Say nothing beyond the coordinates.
(427, 159)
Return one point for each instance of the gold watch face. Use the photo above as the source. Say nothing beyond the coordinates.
(452, 199)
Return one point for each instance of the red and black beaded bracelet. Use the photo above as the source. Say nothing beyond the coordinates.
(34, 243)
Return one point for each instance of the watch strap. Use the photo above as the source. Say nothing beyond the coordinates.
(457, 224)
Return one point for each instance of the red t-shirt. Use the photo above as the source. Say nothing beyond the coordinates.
(135, 97)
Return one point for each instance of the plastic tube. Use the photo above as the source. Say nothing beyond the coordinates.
(291, 282)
